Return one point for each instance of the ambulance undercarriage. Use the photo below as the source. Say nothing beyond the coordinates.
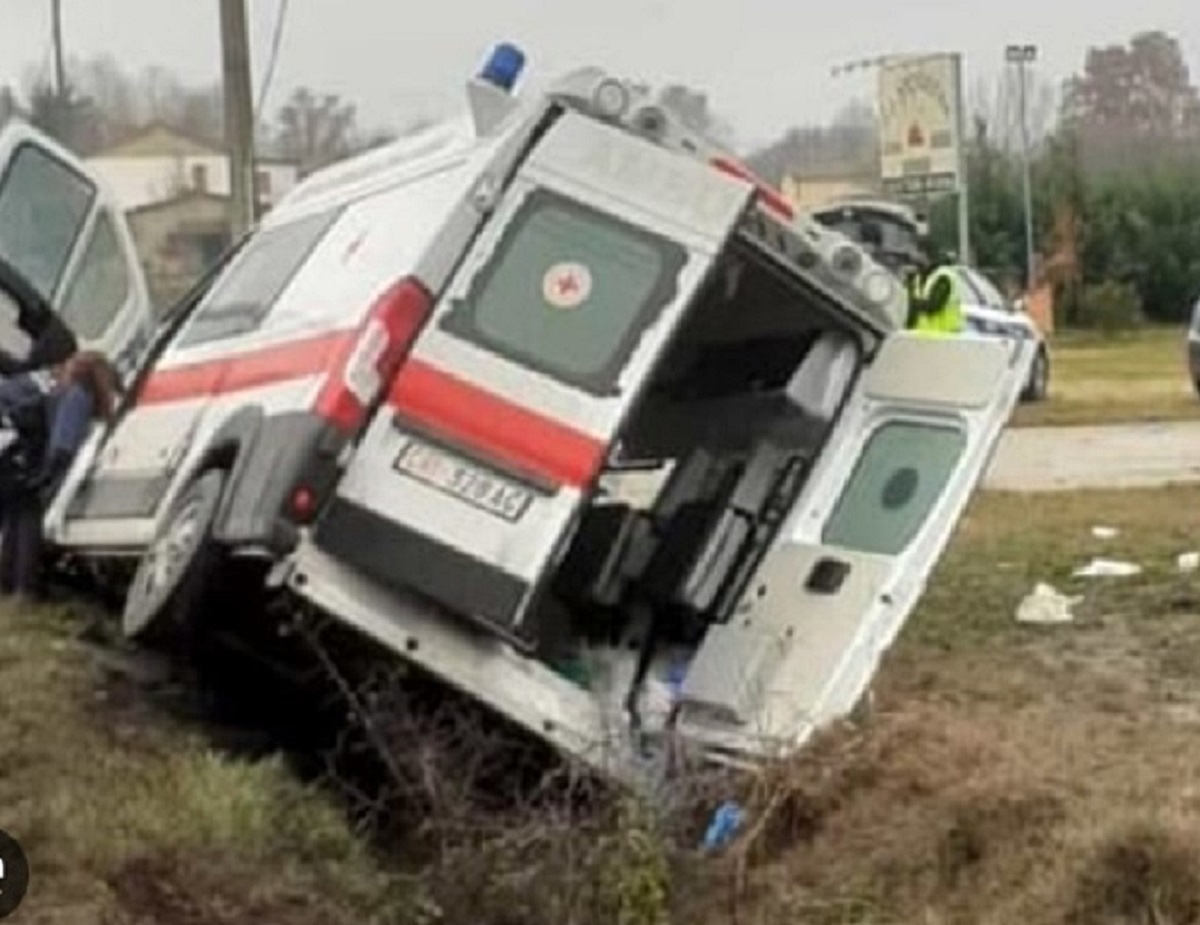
(649, 459)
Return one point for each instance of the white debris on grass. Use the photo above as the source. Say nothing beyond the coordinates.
(1105, 533)
(1046, 606)
(1189, 562)
(1108, 568)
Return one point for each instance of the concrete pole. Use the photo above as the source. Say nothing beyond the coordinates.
(239, 115)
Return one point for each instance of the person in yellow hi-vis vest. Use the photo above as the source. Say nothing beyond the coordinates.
(935, 303)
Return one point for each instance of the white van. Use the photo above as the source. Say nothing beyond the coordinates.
(69, 249)
(423, 390)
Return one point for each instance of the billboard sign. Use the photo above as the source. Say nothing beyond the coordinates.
(919, 110)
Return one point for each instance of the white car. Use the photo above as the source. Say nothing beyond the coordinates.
(987, 311)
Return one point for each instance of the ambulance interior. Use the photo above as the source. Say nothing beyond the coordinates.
(706, 469)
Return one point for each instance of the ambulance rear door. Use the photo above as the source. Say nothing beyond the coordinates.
(468, 482)
(850, 564)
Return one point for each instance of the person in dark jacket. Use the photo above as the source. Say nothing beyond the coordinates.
(51, 341)
(47, 427)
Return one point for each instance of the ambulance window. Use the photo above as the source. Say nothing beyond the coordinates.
(101, 284)
(244, 296)
(43, 204)
(569, 291)
(901, 474)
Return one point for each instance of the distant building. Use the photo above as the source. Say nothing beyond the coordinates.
(159, 163)
(176, 191)
(807, 191)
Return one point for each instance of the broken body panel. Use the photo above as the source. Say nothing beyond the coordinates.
(436, 374)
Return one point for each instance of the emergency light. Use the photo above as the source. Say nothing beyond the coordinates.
(503, 67)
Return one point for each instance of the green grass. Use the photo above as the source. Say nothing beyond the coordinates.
(1132, 377)
(127, 816)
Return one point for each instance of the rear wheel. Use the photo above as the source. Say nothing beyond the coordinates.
(168, 589)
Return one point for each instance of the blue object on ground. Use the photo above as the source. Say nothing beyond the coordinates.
(726, 822)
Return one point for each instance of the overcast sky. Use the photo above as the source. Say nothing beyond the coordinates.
(765, 63)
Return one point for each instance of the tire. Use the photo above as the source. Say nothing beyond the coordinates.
(168, 589)
(1039, 378)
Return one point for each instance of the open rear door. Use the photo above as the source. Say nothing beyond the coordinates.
(469, 480)
(65, 238)
(853, 559)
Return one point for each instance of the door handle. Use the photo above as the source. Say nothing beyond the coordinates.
(827, 576)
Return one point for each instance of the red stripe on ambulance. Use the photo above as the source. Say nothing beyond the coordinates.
(297, 359)
(502, 431)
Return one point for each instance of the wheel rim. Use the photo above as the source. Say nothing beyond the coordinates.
(163, 564)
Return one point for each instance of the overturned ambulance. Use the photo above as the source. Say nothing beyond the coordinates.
(560, 405)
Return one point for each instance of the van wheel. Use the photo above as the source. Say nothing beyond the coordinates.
(1039, 378)
(168, 588)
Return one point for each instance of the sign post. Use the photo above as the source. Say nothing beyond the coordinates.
(922, 151)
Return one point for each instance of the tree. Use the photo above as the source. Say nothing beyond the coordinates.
(848, 145)
(316, 130)
(1143, 88)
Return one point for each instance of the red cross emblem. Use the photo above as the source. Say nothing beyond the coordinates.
(567, 285)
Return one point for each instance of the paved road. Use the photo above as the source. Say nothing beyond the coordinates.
(1112, 456)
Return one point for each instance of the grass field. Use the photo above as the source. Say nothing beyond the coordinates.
(1004, 774)
(1133, 377)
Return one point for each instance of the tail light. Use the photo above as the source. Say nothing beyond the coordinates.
(371, 360)
(771, 199)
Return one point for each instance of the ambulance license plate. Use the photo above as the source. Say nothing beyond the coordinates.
(471, 484)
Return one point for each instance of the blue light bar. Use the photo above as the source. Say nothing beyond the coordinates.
(504, 66)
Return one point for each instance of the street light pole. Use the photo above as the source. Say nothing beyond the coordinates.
(1022, 56)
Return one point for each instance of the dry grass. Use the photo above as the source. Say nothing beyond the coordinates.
(1135, 377)
(1011, 774)
(1006, 774)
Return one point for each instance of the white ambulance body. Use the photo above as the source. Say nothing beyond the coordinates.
(559, 405)
(62, 235)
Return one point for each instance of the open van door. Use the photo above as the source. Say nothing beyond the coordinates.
(854, 556)
(64, 236)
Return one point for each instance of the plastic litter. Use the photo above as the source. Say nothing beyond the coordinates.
(1046, 606)
(1105, 533)
(1189, 562)
(1108, 568)
(725, 824)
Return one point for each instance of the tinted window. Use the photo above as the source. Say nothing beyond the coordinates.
(900, 476)
(569, 291)
(101, 285)
(242, 299)
(1196, 317)
(43, 204)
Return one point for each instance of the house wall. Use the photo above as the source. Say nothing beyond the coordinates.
(811, 193)
(176, 243)
(141, 181)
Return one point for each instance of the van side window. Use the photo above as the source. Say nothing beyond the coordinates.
(569, 291)
(901, 474)
(101, 285)
(244, 296)
(43, 205)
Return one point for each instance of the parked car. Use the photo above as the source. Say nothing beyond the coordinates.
(1193, 338)
(988, 312)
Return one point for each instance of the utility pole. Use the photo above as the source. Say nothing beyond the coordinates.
(239, 115)
(1022, 56)
(60, 65)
